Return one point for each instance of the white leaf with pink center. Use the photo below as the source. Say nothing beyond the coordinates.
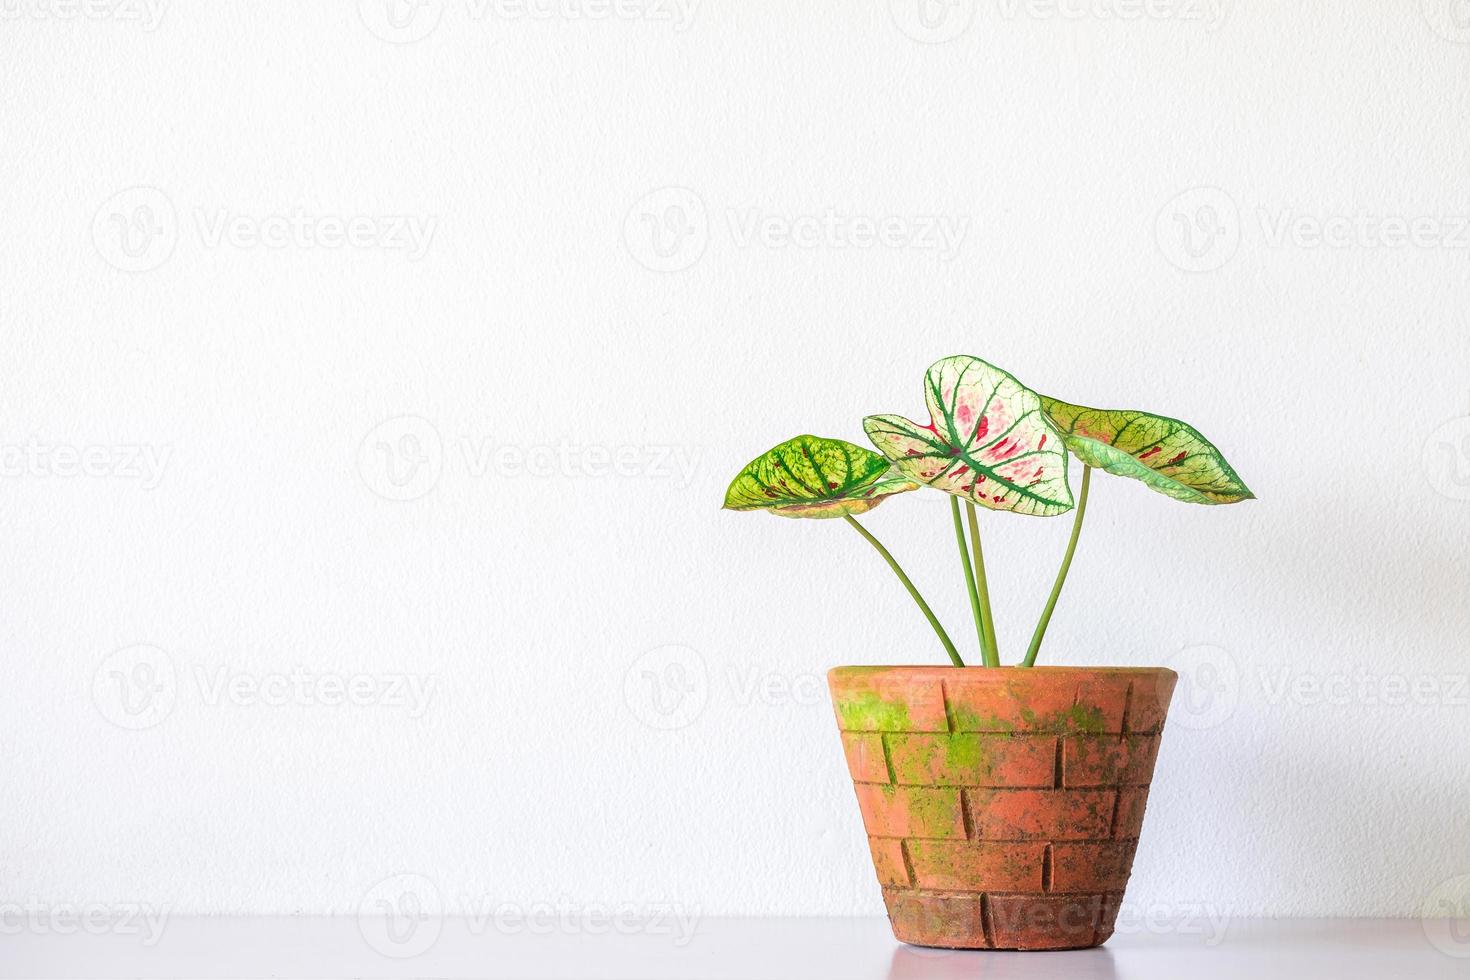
(987, 440)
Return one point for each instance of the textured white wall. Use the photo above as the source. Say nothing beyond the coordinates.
(534, 276)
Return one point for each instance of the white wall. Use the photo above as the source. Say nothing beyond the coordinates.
(532, 589)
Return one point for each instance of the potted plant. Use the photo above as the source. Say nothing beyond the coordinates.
(1002, 805)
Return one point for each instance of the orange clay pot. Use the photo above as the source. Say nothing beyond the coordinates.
(1002, 804)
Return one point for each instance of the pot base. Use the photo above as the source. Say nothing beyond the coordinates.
(958, 920)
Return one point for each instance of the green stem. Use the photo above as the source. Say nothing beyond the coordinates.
(1056, 588)
(959, 534)
(992, 652)
(908, 584)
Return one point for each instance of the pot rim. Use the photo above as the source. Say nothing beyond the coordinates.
(941, 670)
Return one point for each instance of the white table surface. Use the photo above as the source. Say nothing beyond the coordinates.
(748, 949)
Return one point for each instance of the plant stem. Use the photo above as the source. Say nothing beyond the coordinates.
(992, 652)
(959, 534)
(954, 654)
(1056, 588)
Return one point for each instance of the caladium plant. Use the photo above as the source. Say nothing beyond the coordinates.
(990, 442)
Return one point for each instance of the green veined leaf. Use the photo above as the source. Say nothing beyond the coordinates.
(1168, 455)
(987, 440)
(809, 476)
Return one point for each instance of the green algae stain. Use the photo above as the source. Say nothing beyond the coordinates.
(1085, 718)
(867, 712)
(907, 757)
(967, 719)
(927, 760)
(934, 812)
(967, 757)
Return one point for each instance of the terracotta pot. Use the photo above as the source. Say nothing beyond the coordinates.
(1002, 804)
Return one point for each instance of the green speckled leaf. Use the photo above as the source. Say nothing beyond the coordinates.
(987, 440)
(1168, 455)
(813, 477)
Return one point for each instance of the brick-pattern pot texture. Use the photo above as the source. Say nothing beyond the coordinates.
(1002, 805)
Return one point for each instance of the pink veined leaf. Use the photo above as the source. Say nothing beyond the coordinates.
(987, 440)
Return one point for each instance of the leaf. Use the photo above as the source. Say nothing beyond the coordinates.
(809, 476)
(1168, 455)
(987, 441)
